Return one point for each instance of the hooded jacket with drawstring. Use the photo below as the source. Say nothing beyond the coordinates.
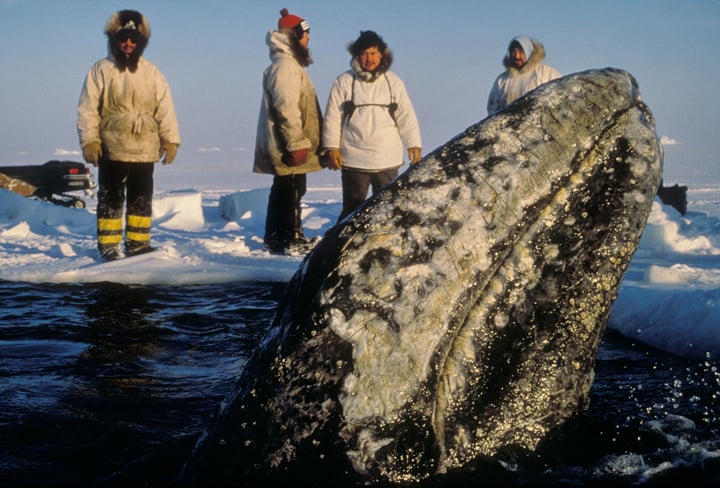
(290, 117)
(513, 83)
(371, 138)
(125, 104)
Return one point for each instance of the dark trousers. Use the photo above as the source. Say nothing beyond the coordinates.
(283, 223)
(355, 185)
(117, 179)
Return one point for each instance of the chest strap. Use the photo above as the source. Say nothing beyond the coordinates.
(349, 106)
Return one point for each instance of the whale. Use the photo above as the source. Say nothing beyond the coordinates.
(454, 317)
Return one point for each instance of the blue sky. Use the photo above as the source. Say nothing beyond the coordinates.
(448, 53)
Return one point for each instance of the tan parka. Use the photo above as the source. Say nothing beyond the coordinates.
(290, 117)
(130, 114)
(125, 104)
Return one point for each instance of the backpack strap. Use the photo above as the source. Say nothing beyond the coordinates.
(349, 106)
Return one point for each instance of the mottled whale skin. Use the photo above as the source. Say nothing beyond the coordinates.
(456, 316)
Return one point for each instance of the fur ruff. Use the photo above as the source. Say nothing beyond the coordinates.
(537, 57)
(384, 67)
(114, 25)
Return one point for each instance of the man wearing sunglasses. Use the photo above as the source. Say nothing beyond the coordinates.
(126, 123)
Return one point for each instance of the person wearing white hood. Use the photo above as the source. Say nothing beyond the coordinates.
(524, 71)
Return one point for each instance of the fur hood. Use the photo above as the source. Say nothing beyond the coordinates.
(127, 20)
(384, 67)
(537, 57)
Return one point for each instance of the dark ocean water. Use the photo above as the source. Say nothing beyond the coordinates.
(99, 381)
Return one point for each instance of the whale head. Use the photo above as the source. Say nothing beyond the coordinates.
(457, 314)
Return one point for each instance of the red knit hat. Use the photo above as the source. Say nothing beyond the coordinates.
(288, 21)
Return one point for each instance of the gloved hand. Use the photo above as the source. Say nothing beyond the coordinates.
(296, 158)
(170, 151)
(334, 159)
(414, 154)
(92, 153)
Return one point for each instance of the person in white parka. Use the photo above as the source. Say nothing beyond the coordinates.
(524, 71)
(368, 119)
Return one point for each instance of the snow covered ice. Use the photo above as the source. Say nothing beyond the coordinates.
(669, 299)
(202, 238)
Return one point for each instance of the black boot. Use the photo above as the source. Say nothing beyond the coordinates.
(133, 248)
(110, 253)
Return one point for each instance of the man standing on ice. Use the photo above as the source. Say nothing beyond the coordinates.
(369, 117)
(288, 132)
(126, 123)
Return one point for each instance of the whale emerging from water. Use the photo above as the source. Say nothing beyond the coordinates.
(455, 316)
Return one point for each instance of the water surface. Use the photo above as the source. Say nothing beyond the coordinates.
(105, 382)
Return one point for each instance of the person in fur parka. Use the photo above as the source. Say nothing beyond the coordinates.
(126, 123)
(524, 71)
(368, 119)
(288, 137)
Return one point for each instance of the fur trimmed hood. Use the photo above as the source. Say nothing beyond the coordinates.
(537, 57)
(129, 22)
(384, 67)
(366, 40)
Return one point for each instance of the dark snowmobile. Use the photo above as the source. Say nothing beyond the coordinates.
(53, 181)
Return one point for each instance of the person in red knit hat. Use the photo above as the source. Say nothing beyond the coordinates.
(289, 21)
(287, 145)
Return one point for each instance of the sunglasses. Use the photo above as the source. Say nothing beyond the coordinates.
(124, 36)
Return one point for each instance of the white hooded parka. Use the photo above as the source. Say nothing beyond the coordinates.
(513, 83)
(372, 138)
